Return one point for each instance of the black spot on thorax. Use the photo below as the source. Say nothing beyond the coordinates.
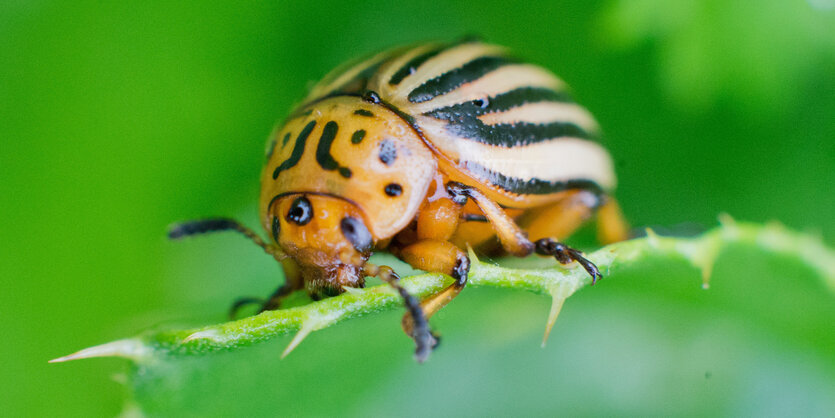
(388, 151)
(393, 189)
(358, 136)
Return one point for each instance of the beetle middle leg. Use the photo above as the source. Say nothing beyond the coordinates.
(565, 255)
(430, 250)
(549, 224)
(438, 256)
(514, 239)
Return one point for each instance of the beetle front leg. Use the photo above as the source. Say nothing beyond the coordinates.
(420, 332)
(438, 256)
(292, 282)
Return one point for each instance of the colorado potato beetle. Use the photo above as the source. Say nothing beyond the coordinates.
(422, 151)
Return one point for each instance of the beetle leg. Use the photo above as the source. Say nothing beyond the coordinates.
(565, 255)
(562, 218)
(425, 341)
(241, 302)
(273, 303)
(559, 220)
(514, 240)
(549, 224)
(439, 256)
(438, 219)
(293, 282)
(611, 225)
(204, 226)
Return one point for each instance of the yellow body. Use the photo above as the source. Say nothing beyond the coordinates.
(423, 151)
(421, 224)
(413, 165)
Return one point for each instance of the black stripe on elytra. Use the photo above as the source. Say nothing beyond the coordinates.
(358, 83)
(464, 122)
(323, 150)
(453, 79)
(358, 136)
(364, 74)
(298, 150)
(532, 186)
(363, 112)
(499, 103)
(353, 87)
(514, 135)
(410, 67)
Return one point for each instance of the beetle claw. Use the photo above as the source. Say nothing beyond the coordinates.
(565, 254)
(414, 323)
(425, 343)
(590, 267)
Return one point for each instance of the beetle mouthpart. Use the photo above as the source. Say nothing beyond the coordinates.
(348, 275)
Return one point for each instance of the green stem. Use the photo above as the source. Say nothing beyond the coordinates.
(701, 252)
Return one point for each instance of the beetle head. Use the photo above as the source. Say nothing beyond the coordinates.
(326, 236)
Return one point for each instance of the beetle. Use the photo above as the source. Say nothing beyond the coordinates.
(422, 151)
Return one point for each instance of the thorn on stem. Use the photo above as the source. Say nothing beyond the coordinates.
(128, 348)
(556, 307)
(300, 336)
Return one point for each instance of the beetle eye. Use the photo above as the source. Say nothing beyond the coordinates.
(356, 232)
(301, 211)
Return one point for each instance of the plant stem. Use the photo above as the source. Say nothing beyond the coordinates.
(701, 252)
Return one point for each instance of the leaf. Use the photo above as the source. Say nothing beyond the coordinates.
(556, 281)
(711, 49)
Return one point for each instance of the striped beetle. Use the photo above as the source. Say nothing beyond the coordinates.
(422, 151)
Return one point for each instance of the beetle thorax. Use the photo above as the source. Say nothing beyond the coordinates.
(359, 152)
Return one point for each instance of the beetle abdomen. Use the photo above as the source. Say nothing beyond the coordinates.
(505, 125)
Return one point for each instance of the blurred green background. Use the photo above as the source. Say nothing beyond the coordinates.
(118, 119)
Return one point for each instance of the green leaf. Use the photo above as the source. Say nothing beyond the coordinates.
(760, 296)
(558, 282)
(711, 49)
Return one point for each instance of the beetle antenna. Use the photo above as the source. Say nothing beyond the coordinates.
(203, 226)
